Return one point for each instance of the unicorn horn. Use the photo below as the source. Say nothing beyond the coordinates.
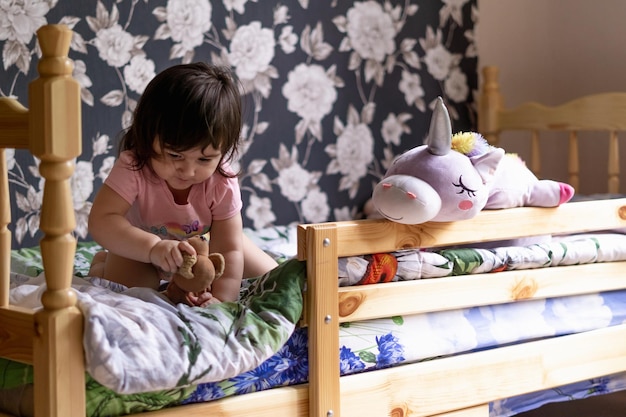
(439, 138)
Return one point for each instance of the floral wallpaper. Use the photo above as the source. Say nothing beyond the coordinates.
(334, 89)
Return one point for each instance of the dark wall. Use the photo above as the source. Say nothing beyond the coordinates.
(334, 90)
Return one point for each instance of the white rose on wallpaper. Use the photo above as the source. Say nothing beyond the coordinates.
(259, 210)
(138, 73)
(310, 92)
(295, 182)
(287, 40)
(19, 20)
(252, 50)
(456, 87)
(9, 156)
(101, 145)
(81, 186)
(411, 86)
(394, 126)
(438, 61)
(371, 31)
(81, 183)
(237, 5)
(345, 213)
(281, 15)
(80, 74)
(18, 23)
(105, 168)
(114, 45)
(188, 20)
(355, 150)
(315, 207)
(30, 205)
(352, 154)
(438, 58)
(453, 9)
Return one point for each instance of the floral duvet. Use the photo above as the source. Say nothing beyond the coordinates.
(381, 343)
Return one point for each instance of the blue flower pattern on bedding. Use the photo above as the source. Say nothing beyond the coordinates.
(125, 333)
(375, 344)
(576, 391)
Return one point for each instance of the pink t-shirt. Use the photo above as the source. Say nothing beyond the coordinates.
(153, 207)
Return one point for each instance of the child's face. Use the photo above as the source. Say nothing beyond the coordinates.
(183, 169)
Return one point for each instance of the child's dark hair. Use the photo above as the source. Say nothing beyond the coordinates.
(187, 106)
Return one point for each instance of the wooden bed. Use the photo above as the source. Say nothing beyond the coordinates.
(462, 385)
(603, 112)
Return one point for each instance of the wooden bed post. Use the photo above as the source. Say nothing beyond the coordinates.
(54, 98)
(490, 103)
(323, 320)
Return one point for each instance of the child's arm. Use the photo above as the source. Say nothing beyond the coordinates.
(109, 227)
(226, 238)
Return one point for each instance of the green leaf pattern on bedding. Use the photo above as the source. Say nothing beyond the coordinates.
(436, 263)
(100, 401)
(27, 261)
(463, 260)
(103, 402)
(137, 341)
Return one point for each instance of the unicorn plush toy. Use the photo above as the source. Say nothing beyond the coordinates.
(452, 178)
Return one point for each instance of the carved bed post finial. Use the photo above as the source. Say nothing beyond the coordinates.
(55, 138)
(55, 98)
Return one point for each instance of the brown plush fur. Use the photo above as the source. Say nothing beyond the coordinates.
(197, 273)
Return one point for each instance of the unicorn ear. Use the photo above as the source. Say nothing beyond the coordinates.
(487, 164)
(439, 138)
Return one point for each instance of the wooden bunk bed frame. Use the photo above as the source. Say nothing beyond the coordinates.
(51, 339)
(603, 112)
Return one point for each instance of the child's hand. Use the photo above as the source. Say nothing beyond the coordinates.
(202, 299)
(167, 254)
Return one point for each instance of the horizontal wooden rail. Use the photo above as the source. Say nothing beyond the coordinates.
(17, 333)
(14, 122)
(451, 293)
(471, 380)
(360, 237)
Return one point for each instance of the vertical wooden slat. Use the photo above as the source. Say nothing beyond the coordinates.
(13, 134)
(613, 165)
(535, 154)
(573, 160)
(5, 234)
(55, 137)
(323, 302)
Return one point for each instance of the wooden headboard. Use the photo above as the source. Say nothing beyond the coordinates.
(604, 112)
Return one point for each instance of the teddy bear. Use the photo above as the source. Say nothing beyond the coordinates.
(197, 272)
(451, 178)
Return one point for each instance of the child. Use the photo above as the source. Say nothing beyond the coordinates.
(172, 181)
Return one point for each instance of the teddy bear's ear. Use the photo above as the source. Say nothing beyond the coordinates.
(218, 262)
